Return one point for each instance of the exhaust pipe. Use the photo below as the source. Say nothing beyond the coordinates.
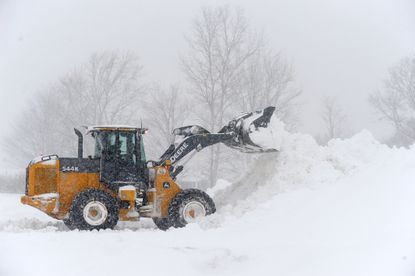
(80, 143)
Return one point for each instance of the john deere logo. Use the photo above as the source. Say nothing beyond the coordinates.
(179, 152)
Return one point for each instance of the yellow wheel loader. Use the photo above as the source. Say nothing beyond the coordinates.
(118, 183)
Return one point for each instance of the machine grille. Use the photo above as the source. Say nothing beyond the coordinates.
(45, 180)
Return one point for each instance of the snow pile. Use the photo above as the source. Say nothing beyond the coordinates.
(31, 224)
(270, 137)
(343, 209)
(300, 163)
(221, 184)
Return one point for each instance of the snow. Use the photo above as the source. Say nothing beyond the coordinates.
(221, 184)
(343, 209)
(47, 196)
(97, 127)
(270, 137)
(127, 188)
(45, 159)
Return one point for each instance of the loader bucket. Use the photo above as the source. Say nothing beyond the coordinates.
(246, 124)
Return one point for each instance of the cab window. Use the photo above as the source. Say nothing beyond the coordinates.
(105, 141)
(127, 151)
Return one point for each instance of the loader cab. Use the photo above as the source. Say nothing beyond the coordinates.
(121, 153)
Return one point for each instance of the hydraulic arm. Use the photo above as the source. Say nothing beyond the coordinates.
(236, 134)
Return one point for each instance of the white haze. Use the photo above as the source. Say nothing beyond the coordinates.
(339, 48)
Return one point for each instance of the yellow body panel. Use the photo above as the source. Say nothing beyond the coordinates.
(130, 196)
(71, 184)
(43, 178)
(49, 206)
(127, 195)
(165, 189)
(46, 178)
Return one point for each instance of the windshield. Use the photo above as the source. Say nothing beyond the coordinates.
(125, 145)
(120, 154)
(105, 141)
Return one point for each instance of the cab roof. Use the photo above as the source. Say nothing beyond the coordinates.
(116, 128)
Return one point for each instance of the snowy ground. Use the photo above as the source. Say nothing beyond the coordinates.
(344, 209)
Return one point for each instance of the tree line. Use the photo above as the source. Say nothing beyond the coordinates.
(228, 69)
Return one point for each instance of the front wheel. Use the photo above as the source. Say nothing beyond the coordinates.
(189, 206)
(68, 223)
(162, 223)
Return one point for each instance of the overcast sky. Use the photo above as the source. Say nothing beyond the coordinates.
(340, 48)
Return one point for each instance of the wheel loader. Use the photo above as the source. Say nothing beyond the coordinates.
(118, 183)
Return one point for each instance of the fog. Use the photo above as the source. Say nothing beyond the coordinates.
(338, 48)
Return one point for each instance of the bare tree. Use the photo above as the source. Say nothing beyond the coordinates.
(334, 119)
(167, 109)
(113, 86)
(266, 79)
(396, 101)
(220, 44)
(230, 70)
(12, 183)
(103, 91)
(32, 132)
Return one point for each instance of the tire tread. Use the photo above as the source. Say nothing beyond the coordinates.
(187, 195)
(76, 219)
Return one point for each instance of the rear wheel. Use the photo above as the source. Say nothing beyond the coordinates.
(93, 209)
(189, 206)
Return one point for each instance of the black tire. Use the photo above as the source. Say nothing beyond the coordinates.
(162, 223)
(176, 207)
(68, 223)
(101, 199)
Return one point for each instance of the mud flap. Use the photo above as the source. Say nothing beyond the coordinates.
(245, 124)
